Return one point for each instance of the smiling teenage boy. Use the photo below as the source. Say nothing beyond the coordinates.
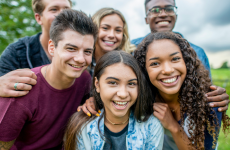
(161, 17)
(37, 120)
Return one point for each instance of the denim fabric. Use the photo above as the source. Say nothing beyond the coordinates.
(141, 136)
(27, 52)
(199, 51)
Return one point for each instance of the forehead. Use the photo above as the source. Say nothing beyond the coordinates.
(163, 47)
(77, 39)
(120, 71)
(113, 19)
(160, 3)
(60, 3)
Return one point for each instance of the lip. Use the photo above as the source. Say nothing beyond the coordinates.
(77, 69)
(157, 22)
(107, 44)
(170, 84)
(120, 108)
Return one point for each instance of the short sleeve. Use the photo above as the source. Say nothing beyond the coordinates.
(155, 136)
(12, 118)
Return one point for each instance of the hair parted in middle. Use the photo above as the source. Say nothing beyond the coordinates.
(72, 20)
(125, 44)
(142, 108)
(192, 97)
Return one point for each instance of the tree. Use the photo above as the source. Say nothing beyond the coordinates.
(224, 65)
(17, 20)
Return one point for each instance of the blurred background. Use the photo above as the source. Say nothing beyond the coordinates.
(205, 23)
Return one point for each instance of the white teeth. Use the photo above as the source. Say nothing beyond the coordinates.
(109, 42)
(163, 22)
(169, 80)
(76, 66)
(120, 103)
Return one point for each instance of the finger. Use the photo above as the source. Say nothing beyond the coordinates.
(216, 92)
(22, 87)
(25, 73)
(79, 108)
(13, 93)
(218, 98)
(157, 115)
(219, 104)
(222, 109)
(92, 110)
(213, 87)
(85, 110)
(158, 108)
(26, 80)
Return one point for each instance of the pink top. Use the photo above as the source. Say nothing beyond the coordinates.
(38, 120)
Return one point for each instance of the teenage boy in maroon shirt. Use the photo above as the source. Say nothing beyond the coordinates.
(37, 120)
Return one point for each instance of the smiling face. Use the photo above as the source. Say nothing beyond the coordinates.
(72, 55)
(162, 22)
(52, 9)
(118, 90)
(110, 33)
(165, 66)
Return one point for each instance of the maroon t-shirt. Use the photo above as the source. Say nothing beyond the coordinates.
(38, 120)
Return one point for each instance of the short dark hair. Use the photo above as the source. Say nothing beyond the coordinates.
(73, 20)
(147, 1)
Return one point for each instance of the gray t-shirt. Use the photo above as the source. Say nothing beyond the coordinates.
(117, 140)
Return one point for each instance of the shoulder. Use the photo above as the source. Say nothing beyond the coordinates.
(198, 49)
(137, 41)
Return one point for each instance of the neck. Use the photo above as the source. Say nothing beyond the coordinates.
(98, 53)
(44, 40)
(121, 122)
(56, 78)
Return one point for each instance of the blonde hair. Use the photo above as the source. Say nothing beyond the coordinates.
(125, 44)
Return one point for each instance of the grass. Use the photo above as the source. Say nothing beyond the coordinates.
(218, 77)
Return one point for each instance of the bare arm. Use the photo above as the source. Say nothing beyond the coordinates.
(25, 79)
(6, 145)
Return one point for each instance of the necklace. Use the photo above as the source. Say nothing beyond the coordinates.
(174, 110)
(117, 123)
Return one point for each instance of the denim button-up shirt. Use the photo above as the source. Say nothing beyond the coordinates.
(146, 135)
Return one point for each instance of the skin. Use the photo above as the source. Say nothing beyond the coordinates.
(164, 60)
(68, 52)
(110, 30)
(117, 83)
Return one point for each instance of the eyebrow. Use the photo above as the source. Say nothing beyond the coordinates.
(110, 25)
(68, 44)
(173, 53)
(118, 79)
(154, 58)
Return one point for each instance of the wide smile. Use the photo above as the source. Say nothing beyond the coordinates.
(163, 23)
(76, 67)
(109, 43)
(169, 81)
(120, 105)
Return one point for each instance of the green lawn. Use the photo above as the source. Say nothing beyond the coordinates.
(218, 77)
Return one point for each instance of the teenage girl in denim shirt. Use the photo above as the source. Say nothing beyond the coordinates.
(125, 121)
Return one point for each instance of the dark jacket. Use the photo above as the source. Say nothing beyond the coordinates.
(27, 52)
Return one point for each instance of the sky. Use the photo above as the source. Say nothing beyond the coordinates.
(205, 23)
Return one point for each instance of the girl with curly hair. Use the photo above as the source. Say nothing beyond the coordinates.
(179, 82)
(118, 84)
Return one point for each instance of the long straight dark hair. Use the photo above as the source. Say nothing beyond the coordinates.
(142, 108)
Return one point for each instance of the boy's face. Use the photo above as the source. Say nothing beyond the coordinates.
(52, 9)
(163, 21)
(72, 55)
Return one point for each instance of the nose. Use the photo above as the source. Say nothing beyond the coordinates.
(122, 92)
(111, 34)
(162, 13)
(167, 69)
(79, 57)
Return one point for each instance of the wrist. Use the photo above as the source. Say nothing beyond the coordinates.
(175, 128)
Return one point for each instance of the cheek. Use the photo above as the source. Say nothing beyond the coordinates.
(119, 38)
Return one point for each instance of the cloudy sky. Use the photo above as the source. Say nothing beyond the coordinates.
(205, 23)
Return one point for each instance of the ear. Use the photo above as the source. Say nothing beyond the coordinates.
(51, 47)
(96, 83)
(146, 20)
(38, 18)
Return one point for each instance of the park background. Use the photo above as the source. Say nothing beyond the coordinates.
(205, 23)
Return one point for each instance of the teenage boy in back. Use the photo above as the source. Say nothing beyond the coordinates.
(37, 120)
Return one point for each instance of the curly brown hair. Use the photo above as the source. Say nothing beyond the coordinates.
(192, 97)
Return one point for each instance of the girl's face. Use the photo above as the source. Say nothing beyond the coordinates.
(165, 66)
(118, 90)
(110, 33)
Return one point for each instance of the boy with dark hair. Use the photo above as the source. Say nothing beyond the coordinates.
(37, 120)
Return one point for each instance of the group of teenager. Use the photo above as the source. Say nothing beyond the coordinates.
(90, 87)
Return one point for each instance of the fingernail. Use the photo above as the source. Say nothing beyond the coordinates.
(78, 110)
(219, 109)
(98, 115)
(206, 95)
(212, 105)
(89, 114)
(99, 111)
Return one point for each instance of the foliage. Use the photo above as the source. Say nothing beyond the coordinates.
(17, 20)
(224, 65)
